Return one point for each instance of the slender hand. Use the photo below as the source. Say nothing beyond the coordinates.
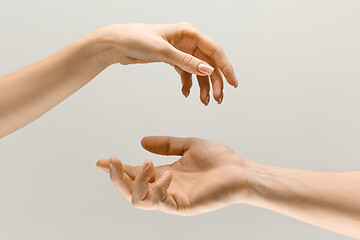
(27, 94)
(210, 175)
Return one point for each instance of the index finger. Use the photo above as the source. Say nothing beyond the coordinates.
(121, 181)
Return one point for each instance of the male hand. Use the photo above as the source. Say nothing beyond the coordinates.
(208, 176)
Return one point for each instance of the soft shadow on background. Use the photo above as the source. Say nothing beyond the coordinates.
(297, 106)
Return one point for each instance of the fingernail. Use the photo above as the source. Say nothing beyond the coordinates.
(145, 165)
(167, 173)
(207, 100)
(236, 83)
(221, 98)
(204, 68)
(186, 94)
(110, 167)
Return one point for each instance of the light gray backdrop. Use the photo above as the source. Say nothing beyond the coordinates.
(297, 106)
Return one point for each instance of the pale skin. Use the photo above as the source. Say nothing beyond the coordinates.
(27, 94)
(209, 176)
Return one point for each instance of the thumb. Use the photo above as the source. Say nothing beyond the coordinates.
(104, 164)
(187, 62)
(165, 145)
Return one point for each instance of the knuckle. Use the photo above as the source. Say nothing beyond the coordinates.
(188, 59)
(228, 69)
(186, 25)
(188, 28)
(218, 50)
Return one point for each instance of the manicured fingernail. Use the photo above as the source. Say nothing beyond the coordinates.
(167, 173)
(145, 165)
(221, 98)
(204, 68)
(207, 100)
(236, 83)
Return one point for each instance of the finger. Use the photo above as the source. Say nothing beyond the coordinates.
(131, 171)
(121, 181)
(186, 80)
(141, 183)
(217, 55)
(217, 85)
(205, 44)
(185, 61)
(104, 164)
(204, 89)
(187, 83)
(165, 145)
(159, 193)
(216, 77)
(178, 70)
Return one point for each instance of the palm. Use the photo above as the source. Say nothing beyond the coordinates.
(207, 176)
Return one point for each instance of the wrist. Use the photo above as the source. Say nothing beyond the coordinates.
(253, 181)
(269, 185)
(100, 47)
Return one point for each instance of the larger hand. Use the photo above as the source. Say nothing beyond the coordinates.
(208, 176)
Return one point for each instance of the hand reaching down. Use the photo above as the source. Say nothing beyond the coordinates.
(208, 176)
(30, 92)
(182, 46)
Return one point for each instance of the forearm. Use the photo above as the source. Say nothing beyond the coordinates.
(324, 199)
(28, 93)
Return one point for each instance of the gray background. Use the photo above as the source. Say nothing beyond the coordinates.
(296, 106)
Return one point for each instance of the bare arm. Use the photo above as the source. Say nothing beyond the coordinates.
(27, 94)
(329, 200)
(210, 175)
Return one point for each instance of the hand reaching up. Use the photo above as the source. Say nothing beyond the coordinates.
(207, 176)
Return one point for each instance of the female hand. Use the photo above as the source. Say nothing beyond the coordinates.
(41, 86)
(208, 176)
(181, 45)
